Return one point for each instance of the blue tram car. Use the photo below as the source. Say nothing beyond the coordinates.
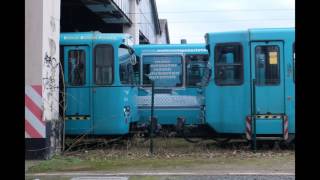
(252, 79)
(100, 88)
(177, 71)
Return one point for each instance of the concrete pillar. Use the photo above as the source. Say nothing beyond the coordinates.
(42, 124)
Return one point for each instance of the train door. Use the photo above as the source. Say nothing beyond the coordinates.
(267, 68)
(105, 96)
(77, 84)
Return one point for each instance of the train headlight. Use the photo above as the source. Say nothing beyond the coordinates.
(126, 110)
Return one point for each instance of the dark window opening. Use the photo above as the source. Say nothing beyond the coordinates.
(126, 68)
(126, 74)
(76, 67)
(164, 70)
(195, 68)
(103, 65)
(267, 65)
(228, 64)
(136, 70)
(294, 62)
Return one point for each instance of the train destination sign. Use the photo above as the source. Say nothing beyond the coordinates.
(164, 70)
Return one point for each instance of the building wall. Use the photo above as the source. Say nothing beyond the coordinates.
(33, 42)
(146, 23)
(134, 17)
(162, 37)
(142, 20)
(50, 56)
(42, 124)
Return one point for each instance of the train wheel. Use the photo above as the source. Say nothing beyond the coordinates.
(186, 134)
(222, 140)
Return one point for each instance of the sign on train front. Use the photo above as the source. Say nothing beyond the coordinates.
(163, 70)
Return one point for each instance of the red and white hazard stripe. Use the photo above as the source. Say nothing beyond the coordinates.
(34, 124)
(285, 127)
(248, 127)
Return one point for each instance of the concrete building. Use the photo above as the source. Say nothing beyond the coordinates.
(164, 38)
(136, 17)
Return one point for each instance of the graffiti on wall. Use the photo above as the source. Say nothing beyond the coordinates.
(50, 80)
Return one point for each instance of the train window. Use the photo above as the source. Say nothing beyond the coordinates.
(294, 61)
(136, 70)
(76, 67)
(195, 67)
(164, 70)
(103, 65)
(126, 68)
(228, 64)
(267, 65)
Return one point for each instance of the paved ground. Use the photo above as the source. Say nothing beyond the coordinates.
(162, 176)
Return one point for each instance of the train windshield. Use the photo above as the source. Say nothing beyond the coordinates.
(196, 65)
(126, 59)
(164, 70)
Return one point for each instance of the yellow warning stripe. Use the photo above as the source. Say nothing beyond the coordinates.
(76, 117)
(268, 116)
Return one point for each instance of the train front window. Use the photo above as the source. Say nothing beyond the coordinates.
(126, 67)
(103, 65)
(164, 70)
(76, 67)
(195, 68)
(136, 70)
(267, 65)
(228, 64)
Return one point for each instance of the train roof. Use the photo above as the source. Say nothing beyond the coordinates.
(87, 37)
(254, 34)
(171, 48)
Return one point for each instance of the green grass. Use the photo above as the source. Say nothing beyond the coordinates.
(60, 163)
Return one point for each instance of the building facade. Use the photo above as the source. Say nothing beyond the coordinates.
(136, 17)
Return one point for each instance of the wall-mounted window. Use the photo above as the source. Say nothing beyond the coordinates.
(267, 65)
(76, 67)
(103, 65)
(228, 64)
(164, 70)
(195, 68)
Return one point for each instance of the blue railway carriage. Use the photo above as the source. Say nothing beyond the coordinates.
(176, 70)
(100, 90)
(252, 79)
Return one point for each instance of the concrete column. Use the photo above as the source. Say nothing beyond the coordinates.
(42, 33)
(50, 74)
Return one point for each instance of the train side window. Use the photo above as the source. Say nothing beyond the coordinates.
(267, 65)
(228, 64)
(103, 65)
(294, 62)
(195, 67)
(126, 68)
(76, 67)
(136, 70)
